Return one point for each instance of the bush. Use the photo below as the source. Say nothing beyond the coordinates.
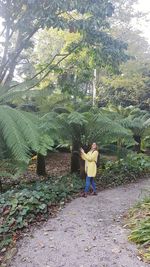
(124, 170)
(139, 223)
(21, 206)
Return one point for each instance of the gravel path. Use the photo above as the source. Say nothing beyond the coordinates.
(88, 232)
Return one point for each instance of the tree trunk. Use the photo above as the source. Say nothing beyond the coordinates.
(138, 140)
(9, 77)
(7, 72)
(82, 162)
(40, 170)
(77, 164)
(75, 157)
(1, 187)
(82, 169)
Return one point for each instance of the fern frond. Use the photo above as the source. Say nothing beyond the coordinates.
(50, 125)
(19, 132)
(77, 118)
(105, 129)
(23, 92)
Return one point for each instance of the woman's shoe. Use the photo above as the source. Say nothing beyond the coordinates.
(84, 194)
(94, 194)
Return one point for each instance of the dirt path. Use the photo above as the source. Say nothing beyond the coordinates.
(87, 233)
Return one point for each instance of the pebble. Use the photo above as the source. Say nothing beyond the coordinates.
(3, 250)
(45, 233)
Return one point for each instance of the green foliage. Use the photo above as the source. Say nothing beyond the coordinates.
(11, 169)
(133, 119)
(76, 118)
(124, 170)
(131, 86)
(138, 123)
(49, 128)
(139, 223)
(20, 207)
(125, 91)
(23, 19)
(71, 126)
(142, 234)
(18, 132)
(90, 126)
(22, 132)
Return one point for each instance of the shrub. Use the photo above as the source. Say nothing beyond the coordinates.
(124, 170)
(21, 206)
(139, 223)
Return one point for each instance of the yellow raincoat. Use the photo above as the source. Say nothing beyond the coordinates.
(90, 162)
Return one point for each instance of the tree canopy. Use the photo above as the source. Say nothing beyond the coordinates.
(22, 19)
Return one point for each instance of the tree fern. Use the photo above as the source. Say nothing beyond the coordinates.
(19, 132)
(91, 126)
(22, 93)
(138, 125)
(134, 119)
(77, 118)
(50, 127)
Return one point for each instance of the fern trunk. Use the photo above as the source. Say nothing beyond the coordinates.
(1, 187)
(41, 169)
(138, 140)
(82, 169)
(77, 164)
(82, 162)
(75, 157)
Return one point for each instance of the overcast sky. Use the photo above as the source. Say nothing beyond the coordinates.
(144, 5)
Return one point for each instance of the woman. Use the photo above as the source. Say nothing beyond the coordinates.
(90, 167)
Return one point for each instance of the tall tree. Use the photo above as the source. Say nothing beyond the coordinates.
(23, 18)
(131, 85)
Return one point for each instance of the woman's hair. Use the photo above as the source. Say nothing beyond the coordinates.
(96, 146)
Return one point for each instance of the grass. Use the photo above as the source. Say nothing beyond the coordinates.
(139, 224)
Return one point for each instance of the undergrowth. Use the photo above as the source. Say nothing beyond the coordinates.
(125, 170)
(139, 223)
(22, 206)
(29, 203)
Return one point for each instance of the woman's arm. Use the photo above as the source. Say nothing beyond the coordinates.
(92, 157)
(82, 156)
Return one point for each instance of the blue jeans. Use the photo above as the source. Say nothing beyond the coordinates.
(89, 181)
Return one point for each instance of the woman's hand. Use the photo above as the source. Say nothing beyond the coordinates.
(81, 150)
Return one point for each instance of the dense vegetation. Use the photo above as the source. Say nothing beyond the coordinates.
(139, 223)
(29, 203)
(71, 73)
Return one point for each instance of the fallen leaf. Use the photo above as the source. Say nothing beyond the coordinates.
(116, 250)
(3, 250)
(139, 258)
(45, 233)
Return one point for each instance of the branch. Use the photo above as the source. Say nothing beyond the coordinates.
(6, 46)
(71, 16)
(48, 65)
(40, 72)
(24, 42)
(3, 31)
(54, 66)
(10, 62)
(57, 55)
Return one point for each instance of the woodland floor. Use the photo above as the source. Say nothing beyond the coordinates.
(88, 232)
(57, 164)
